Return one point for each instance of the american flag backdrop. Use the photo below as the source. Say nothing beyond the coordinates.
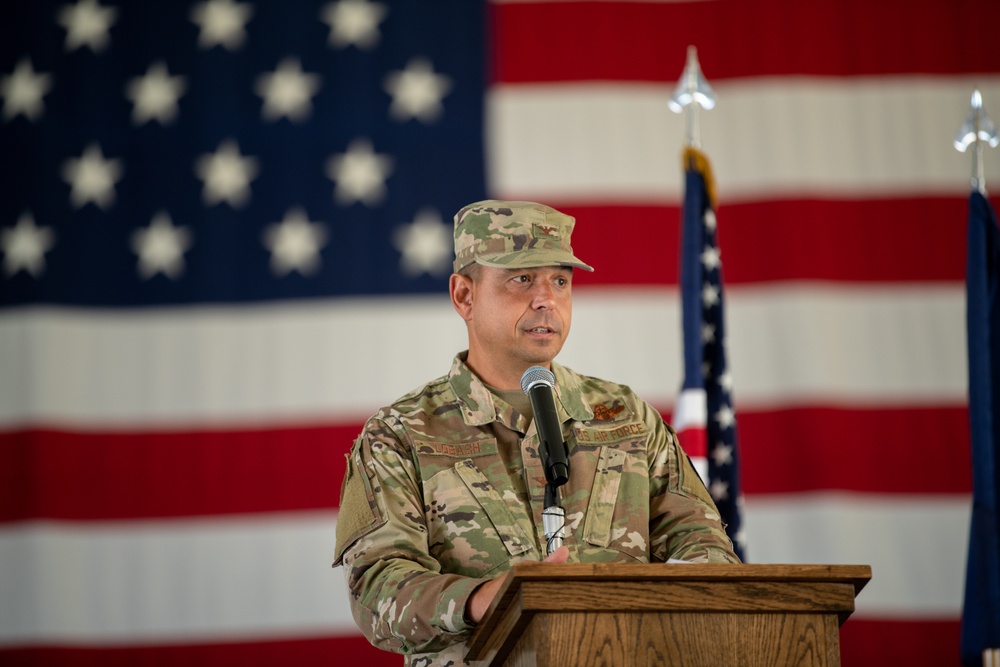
(225, 237)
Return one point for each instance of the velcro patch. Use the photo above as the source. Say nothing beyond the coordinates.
(356, 517)
(461, 450)
(545, 231)
(595, 436)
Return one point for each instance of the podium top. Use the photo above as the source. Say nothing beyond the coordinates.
(532, 588)
(858, 575)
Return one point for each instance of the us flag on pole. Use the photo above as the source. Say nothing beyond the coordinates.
(704, 416)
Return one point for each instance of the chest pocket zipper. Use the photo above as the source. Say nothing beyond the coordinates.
(496, 509)
(601, 511)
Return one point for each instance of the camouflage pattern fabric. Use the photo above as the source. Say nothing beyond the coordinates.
(514, 235)
(445, 487)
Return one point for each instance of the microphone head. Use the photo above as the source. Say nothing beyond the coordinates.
(537, 375)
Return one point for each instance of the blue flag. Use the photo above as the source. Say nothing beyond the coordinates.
(981, 612)
(704, 415)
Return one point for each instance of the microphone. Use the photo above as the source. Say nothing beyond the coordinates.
(538, 383)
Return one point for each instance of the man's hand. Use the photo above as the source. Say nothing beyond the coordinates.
(480, 600)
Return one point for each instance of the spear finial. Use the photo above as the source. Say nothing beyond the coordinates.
(692, 92)
(976, 129)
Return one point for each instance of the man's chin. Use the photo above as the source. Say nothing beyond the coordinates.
(541, 355)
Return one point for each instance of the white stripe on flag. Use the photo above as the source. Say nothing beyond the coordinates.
(789, 345)
(853, 137)
(690, 410)
(259, 577)
(269, 576)
(916, 545)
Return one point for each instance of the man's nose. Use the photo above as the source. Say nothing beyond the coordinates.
(543, 296)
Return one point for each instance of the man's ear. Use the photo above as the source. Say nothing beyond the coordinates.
(461, 289)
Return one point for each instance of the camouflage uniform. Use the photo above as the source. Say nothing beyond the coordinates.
(444, 491)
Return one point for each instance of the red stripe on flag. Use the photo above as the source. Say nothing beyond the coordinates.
(347, 650)
(863, 642)
(83, 476)
(615, 41)
(867, 642)
(905, 450)
(907, 240)
(74, 476)
(693, 442)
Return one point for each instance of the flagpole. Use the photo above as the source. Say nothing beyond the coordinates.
(691, 94)
(977, 128)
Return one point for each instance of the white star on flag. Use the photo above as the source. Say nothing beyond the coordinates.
(426, 245)
(226, 175)
(359, 174)
(287, 91)
(92, 178)
(23, 90)
(708, 333)
(87, 24)
(221, 22)
(741, 535)
(722, 454)
(725, 417)
(295, 243)
(726, 380)
(719, 490)
(711, 258)
(710, 221)
(353, 22)
(154, 95)
(417, 91)
(710, 295)
(24, 246)
(161, 247)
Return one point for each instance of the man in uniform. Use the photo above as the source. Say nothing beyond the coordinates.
(444, 488)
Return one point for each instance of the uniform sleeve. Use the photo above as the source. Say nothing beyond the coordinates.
(398, 595)
(684, 521)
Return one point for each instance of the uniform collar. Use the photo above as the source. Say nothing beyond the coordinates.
(478, 408)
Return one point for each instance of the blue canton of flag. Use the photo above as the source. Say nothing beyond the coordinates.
(223, 151)
(704, 415)
(981, 610)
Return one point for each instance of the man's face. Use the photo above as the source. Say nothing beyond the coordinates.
(517, 318)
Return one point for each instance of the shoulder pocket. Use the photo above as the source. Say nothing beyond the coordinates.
(359, 512)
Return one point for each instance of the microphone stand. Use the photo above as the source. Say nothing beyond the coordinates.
(555, 463)
(553, 518)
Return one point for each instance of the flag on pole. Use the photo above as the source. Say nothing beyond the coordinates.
(704, 415)
(981, 611)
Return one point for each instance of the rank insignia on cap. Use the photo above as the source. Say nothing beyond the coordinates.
(545, 231)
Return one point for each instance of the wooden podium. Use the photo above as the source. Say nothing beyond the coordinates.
(711, 615)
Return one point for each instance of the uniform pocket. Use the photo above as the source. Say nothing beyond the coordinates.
(494, 506)
(604, 497)
(617, 518)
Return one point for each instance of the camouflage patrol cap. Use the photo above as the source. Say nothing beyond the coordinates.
(514, 235)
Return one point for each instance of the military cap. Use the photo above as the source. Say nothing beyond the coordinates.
(514, 235)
